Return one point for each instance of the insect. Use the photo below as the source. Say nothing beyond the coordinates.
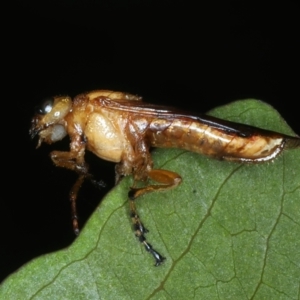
(119, 127)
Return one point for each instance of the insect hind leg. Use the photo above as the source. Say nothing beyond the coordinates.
(167, 180)
(140, 231)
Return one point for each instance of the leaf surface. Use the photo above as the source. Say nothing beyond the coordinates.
(229, 231)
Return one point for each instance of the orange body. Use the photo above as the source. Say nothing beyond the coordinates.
(119, 127)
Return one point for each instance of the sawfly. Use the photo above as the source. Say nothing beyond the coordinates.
(121, 128)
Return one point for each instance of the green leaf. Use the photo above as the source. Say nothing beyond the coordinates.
(229, 231)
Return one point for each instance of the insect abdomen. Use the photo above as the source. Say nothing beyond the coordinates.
(251, 145)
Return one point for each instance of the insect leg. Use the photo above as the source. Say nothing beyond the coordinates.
(69, 161)
(140, 231)
(168, 180)
(73, 199)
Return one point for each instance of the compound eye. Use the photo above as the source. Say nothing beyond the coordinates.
(45, 107)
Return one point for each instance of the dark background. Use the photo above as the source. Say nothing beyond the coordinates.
(192, 56)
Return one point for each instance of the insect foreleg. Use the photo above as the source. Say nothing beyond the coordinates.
(73, 200)
(69, 161)
(73, 197)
